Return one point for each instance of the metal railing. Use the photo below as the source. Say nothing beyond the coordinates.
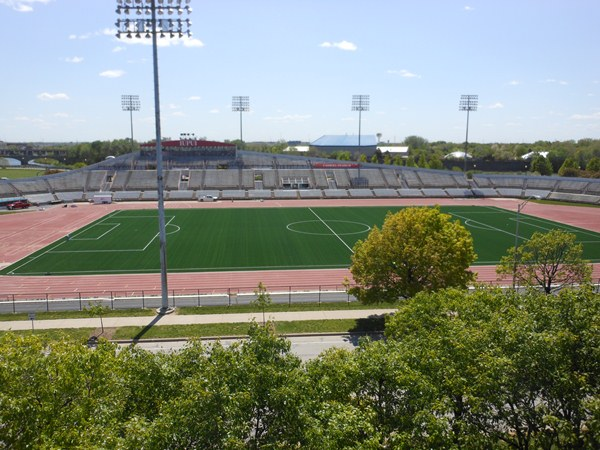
(151, 298)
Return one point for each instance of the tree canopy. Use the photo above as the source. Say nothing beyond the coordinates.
(417, 249)
(485, 369)
(548, 260)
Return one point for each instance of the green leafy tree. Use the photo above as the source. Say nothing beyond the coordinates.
(509, 370)
(541, 165)
(417, 249)
(569, 168)
(548, 260)
(262, 300)
(435, 162)
(593, 165)
(97, 310)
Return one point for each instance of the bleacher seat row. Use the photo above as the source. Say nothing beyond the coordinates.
(258, 175)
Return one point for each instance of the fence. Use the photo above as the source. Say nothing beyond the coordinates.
(135, 299)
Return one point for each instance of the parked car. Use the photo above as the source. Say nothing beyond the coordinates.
(208, 198)
(18, 205)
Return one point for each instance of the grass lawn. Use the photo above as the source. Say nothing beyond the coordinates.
(204, 240)
(16, 172)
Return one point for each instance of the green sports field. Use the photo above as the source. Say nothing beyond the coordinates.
(201, 240)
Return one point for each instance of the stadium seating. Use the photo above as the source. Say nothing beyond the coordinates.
(360, 193)
(255, 175)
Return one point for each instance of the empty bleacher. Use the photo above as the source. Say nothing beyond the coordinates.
(95, 180)
(69, 181)
(222, 179)
(392, 178)
(141, 180)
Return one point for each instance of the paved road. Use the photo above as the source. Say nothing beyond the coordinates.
(306, 346)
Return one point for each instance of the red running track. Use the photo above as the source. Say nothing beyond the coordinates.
(26, 232)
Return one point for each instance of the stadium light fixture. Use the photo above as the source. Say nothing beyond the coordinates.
(467, 103)
(360, 103)
(241, 104)
(130, 103)
(145, 24)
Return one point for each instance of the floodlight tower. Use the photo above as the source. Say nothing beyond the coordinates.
(146, 25)
(360, 103)
(241, 104)
(467, 103)
(130, 103)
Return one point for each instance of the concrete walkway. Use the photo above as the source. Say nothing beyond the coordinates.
(176, 319)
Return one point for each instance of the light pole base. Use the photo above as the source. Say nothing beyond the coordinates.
(164, 311)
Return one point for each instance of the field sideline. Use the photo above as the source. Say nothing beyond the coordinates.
(251, 239)
(24, 233)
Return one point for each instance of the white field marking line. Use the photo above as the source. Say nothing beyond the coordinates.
(51, 249)
(334, 233)
(191, 269)
(156, 235)
(122, 250)
(563, 226)
(482, 224)
(56, 246)
(97, 238)
(471, 223)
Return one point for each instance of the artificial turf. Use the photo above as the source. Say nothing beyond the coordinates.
(126, 241)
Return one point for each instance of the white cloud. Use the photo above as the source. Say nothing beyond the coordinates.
(514, 82)
(112, 73)
(22, 5)
(45, 96)
(194, 98)
(214, 111)
(593, 116)
(74, 59)
(342, 45)
(469, 8)
(403, 73)
(118, 49)
(91, 34)
(496, 105)
(555, 81)
(288, 118)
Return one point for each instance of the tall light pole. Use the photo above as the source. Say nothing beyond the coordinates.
(360, 103)
(467, 103)
(146, 25)
(130, 103)
(241, 104)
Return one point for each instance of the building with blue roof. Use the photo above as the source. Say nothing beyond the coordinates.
(346, 143)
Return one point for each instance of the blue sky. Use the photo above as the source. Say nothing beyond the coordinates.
(533, 63)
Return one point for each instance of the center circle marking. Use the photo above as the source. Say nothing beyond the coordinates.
(292, 227)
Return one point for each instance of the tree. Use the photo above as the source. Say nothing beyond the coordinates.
(262, 300)
(417, 249)
(593, 165)
(569, 168)
(510, 370)
(541, 165)
(549, 260)
(98, 310)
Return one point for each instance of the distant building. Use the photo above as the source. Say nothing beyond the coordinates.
(346, 143)
(394, 150)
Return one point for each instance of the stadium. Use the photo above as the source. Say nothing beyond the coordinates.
(59, 250)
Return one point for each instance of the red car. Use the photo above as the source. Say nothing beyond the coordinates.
(18, 205)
